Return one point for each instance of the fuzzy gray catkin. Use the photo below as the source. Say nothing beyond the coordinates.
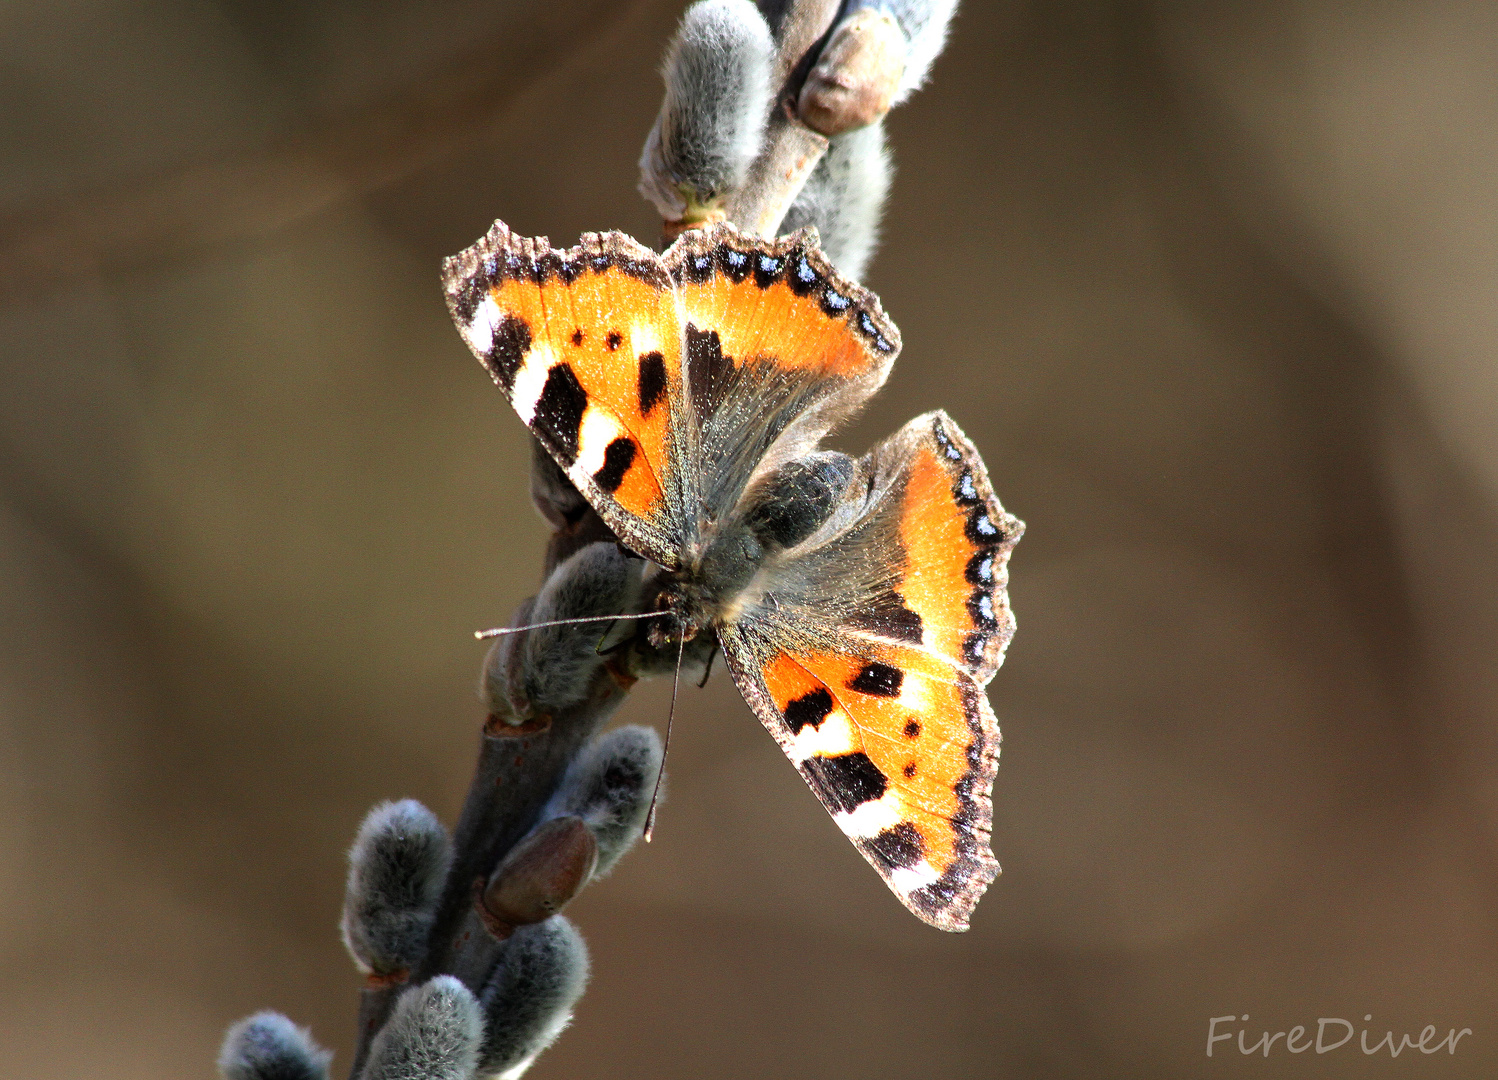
(556, 664)
(553, 495)
(925, 25)
(844, 199)
(529, 998)
(844, 196)
(267, 1046)
(434, 1033)
(397, 868)
(609, 785)
(717, 75)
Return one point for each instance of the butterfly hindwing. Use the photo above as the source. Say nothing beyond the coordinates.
(902, 752)
(867, 655)
(586, 343)
(955, 539)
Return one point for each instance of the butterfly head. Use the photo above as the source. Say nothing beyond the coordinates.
(705, 592)
(688, 605)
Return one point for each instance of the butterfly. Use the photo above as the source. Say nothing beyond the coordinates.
(860, 604)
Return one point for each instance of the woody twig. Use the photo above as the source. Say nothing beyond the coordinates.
(771, 119)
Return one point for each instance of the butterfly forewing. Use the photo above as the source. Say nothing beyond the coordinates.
(586, 343)
(664, 384)
(778, 348)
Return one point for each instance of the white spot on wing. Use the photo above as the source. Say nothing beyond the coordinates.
(643, 339)
(480, 330)
(530, 380)
(913, 693)
(598, 429)
(870, 819)
(907, 879)
(832, 739)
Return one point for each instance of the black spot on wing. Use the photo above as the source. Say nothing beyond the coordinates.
(532, 264)
(708, 370)
(943, 440)
(600, 262)
(981, 529)
(938, 896)
(507, 349)
(886, 615)
(912, 729)
(767, 269)
(559, 410)
(577, 336)
(803, 277)
(835, 303)
(809, 710)
(980, 569)
(470, 295)
(980, 609)
(909, 770)
(847, 781)
(613, 340)
(877, 679)
(618, 456)
(871, 330)
(697, 268)
(551, 264)
(898, 847)
(652, 381)
(735, 265)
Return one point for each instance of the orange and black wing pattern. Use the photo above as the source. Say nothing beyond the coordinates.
(782, 299)
(664, 385)
(779, 349)
(954, 540)
(587, 345)
(867, 656)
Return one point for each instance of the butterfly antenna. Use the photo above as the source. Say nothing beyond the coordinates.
(660, 773)
(501, 631)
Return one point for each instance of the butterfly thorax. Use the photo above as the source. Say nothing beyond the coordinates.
(705, 591)
(718, 576)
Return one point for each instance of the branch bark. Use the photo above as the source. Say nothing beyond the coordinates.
(790, 150)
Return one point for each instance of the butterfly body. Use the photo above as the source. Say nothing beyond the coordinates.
(735, 570)
(859, 602)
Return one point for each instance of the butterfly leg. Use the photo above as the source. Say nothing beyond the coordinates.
(708, 667)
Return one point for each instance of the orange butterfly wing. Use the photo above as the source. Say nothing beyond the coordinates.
(664, 385)
(586, 343)
(868, 665)
(779, 349)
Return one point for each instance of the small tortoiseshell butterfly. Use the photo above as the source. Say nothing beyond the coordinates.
(860, 604)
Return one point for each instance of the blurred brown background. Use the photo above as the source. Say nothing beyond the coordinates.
(1212, 286)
